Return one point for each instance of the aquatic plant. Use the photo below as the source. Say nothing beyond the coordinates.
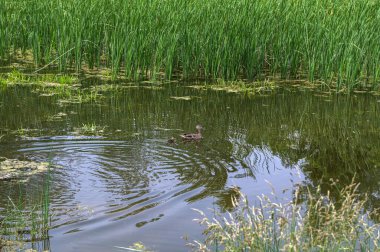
(251, 88)
(335, 41)
(3, 81)
(90, 128)
(56, 78)
(17, 77)
(321, 223)
(20, 225)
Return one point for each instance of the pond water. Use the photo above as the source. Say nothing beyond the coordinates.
(115, 180)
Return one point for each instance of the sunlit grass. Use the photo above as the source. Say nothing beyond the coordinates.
(321, 223)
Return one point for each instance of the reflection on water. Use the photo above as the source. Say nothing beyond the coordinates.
(125, 183)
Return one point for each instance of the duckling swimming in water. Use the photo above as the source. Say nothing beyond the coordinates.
(172, 141)
(193, 136)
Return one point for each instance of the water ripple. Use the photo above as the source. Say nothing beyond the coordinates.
(121, 179)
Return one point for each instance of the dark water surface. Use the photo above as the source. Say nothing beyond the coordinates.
(116, 181)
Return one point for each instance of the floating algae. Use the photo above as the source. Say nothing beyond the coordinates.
(13, 168)
(183, 98)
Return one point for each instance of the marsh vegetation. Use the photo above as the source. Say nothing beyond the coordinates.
(329, 41)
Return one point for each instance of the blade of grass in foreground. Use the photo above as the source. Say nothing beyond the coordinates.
(321, 223)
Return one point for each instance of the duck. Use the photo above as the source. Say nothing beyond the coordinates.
(193, 136)
(172, 141)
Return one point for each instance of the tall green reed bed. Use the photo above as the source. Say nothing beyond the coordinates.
(311, 221)
(335, 41)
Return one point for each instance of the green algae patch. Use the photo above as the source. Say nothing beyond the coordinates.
(14, 168)
(17, 77)
(242, 87)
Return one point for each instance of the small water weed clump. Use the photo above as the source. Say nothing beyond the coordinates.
(251, 88)
(90, 129)
(321, 223)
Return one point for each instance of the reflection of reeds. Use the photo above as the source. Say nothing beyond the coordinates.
(321, 224)
(331, 40)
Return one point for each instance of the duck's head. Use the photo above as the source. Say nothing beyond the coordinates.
(199, 127)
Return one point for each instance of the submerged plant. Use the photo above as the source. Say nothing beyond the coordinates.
(320, 224)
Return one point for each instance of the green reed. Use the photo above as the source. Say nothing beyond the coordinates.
(25, 221)
(334, 41)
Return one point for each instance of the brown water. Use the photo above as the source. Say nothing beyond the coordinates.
(115, 180)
